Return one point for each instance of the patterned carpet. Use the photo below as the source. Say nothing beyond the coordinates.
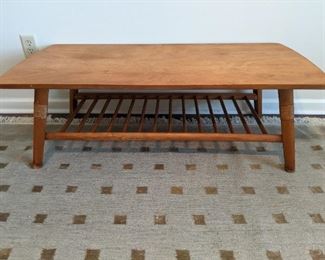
(168, 200)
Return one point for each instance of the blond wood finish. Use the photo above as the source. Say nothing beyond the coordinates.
(163, 136)
(40, 114)
(165, 66)
(287, 128)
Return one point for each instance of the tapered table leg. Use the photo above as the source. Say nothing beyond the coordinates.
(40, 114)
(287, 128)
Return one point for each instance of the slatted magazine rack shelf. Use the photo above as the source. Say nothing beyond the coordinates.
(114, 126)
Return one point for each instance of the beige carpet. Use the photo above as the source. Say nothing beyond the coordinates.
(169, 200)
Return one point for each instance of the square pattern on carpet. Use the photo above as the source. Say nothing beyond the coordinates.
(162, 200)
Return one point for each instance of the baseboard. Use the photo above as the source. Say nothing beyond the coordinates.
(57, 106)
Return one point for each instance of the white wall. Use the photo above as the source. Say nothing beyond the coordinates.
(298, 24)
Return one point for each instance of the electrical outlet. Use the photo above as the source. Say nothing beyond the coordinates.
(29, 44)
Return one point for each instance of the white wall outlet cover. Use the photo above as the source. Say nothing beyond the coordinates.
(28, 43)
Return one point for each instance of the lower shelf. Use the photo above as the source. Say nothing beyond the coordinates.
(148, 124)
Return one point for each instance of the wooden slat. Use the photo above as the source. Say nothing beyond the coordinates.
(224, 109)
(170, 116)
(256, 116)
(143, 114)
(125, 125)
(86, 116)
(184, 114)
(241, 116)
(154, 136)
(198, 117)
(212, 114)
(100, 116)
(156, 115)
(73, 115)
(110, 125)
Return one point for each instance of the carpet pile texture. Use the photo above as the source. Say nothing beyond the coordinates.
(162, 200)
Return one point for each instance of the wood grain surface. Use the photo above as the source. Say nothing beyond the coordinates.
(165, 66)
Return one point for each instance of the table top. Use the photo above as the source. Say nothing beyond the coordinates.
(165, 66)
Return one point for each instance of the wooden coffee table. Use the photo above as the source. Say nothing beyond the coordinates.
(177, 67)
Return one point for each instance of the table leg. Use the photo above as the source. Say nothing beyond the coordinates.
(40, 114)
(73, 100)
(287, 128)
(258, 102)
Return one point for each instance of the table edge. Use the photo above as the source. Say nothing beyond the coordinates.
(161, 87)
